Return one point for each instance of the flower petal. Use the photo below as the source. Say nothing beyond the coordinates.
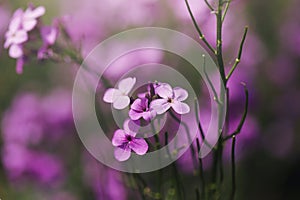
(20, 37)
(180, 94)
(49, 34)
(160, 105)
(15, 51)
(15, 23)
(137, 105)
(34, 13)
(130, 127)
(29, 24)
(139, 146)
(122, 154)
(149, 115)
(134, 115)
(119, 138)
(121, 102)
(164, 90)
(126, 85)
(111, 95)
(180, 108)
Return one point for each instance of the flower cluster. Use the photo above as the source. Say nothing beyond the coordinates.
(26, 126)
(157, 100)
(21, 31)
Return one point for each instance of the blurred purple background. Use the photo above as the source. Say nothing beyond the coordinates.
(41, 154)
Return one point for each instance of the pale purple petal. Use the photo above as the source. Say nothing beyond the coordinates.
(134, 115)
(111, 95)
(119, 138)
(164, 90)
(15, 23)
(20, 37)
(49, 34)
(180, 94)
(8, 42)
(34, 13)
(180, 108)
(15, 51)
(149, 115)
(122, 154)
(137, 105)
(121, 102)
(130, 127)
(126, 85)
(139, 146)
(29, 24)
(160, 105)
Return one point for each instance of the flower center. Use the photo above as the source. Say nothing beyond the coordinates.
(170, 100)
(129, 138)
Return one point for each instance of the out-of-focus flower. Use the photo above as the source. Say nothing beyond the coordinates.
(125, 141)
(171, 98)
(140, 109)
(106, 183)
(151, 90)
(17, 35)
(29, 127)
(29, 18)
(119, 97)
(49, 35)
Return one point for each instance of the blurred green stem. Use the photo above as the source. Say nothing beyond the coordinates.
(201, 35)
(238, 59)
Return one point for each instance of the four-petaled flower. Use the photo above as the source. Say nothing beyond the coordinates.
(125, 141)
(171, 98)
(140, 109)
(119, 97)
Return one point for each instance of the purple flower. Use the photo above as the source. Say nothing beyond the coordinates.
(140, 109)
(151, 90)
(21, 23)
(49, 35)
(15, 36)
(171, 98)
(119, 97)
(29, 18)
(125, 141)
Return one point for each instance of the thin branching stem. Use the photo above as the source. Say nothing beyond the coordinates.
(201, 35)
(238, 59)
(193, 153)
(233, 181)
(226, 9)
(200, 126)
(219, 41)
(243, 119)
(201, 171)
(209, 6)
(216, 98)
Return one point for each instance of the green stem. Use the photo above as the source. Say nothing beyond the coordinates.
(219, 41)
(200, 126)
(243, 119)
(193, 153)
(238, 59)
(233, 181)
(201, 171)
(226, 9)
(201, 36)
(216, 98)
(209, 6)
